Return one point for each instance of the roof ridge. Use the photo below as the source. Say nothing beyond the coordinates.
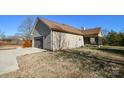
(72, 27)
(92, 28)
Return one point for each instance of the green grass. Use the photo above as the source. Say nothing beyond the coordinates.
(111, 49)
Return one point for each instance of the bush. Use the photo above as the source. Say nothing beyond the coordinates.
(27, 43)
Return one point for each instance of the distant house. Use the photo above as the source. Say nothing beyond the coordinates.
(51, 35)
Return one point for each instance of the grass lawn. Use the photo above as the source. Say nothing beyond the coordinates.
(111, 49)
(82, 62)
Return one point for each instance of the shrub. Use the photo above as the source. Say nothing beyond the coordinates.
(27, 43)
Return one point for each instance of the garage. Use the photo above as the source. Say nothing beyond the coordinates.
(38, 42)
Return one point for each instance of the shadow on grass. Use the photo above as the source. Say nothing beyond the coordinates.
(91, 63)
(115, 51)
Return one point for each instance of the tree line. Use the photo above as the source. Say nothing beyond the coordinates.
(114, 38)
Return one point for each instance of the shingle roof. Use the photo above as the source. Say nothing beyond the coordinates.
(68, 29)
(93, 31)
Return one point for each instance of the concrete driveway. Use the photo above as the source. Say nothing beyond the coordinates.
(8, 60)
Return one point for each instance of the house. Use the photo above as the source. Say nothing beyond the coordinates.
(51, 35)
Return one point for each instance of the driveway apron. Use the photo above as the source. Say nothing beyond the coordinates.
(8, 61)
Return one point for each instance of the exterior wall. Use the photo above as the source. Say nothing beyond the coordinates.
(100, 34)
(47, 42)
(66, 40)
(42, 30)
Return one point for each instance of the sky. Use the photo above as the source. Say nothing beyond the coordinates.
(10, 23)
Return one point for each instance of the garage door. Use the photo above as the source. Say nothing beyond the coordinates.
(38, 42)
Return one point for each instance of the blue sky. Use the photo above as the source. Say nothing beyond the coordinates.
(9, 24)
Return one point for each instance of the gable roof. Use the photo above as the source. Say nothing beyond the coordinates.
(68, 29)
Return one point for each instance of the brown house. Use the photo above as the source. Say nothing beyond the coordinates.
(51, 35)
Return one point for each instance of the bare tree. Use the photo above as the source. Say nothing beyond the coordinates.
(2, 35)
(105, 32)
(26, 27)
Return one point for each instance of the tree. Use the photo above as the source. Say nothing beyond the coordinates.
(112, 38)
(105, 32)
(115, 38)
(121, 38)
(2, 35)
(25, 28)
